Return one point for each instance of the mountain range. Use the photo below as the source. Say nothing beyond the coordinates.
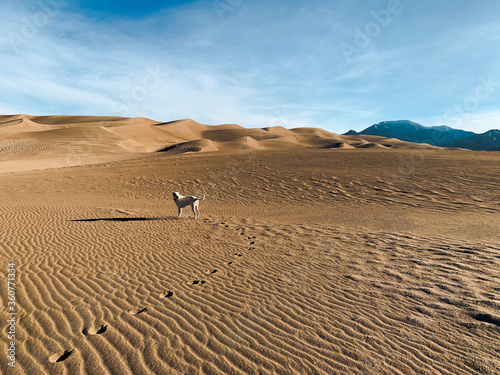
(442, 136)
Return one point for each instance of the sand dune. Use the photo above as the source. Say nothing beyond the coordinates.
(314, 254)
(64, 141)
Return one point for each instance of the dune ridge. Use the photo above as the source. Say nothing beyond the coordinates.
(40, 142)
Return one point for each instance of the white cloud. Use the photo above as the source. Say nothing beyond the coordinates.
(480, 122)
(261, 58)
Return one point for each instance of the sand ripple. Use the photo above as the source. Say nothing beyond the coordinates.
(305, 299)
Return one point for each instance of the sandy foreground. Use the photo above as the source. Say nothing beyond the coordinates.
(314, 253)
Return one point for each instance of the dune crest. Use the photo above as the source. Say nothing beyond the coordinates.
(42, 142)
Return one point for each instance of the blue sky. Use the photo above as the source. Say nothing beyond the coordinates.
(338, 65)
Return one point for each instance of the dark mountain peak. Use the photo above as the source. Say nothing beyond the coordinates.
(399, 124)
(410, 131)
(489, 141)
(441, 135)
(351, 132)
(492, 133)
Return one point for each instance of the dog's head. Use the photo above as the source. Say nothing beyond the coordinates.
(176, 195)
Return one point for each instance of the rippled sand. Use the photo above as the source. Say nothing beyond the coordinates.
(305, 260)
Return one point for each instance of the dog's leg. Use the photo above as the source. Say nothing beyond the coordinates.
(179, 209)
(197, 211)
(193, 207)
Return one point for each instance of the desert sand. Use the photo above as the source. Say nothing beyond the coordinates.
(315, 253)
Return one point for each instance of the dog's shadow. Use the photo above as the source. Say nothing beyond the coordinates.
(118, 219)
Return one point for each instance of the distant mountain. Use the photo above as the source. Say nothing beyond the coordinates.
(351, 132)
(489, 141)
(442, 136)
(410, 131)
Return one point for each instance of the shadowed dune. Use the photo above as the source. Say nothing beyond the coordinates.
(191, 146)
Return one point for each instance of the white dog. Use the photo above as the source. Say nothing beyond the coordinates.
(183, 201)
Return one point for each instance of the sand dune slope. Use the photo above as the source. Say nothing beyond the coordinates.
(41, 142)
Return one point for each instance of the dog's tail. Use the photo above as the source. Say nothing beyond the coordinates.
(200, 199)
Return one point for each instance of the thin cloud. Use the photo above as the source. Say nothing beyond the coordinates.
(247, 65)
